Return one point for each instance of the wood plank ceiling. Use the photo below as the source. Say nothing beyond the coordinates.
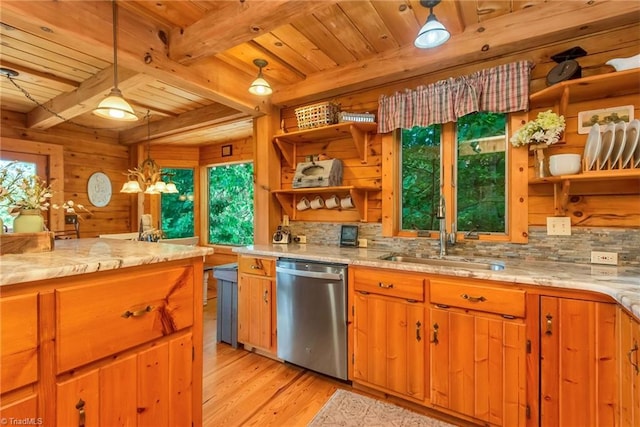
(190, 62)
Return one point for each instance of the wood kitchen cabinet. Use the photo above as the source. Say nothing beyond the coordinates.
(478, 350)
(389, 336)
(19, 356)
(148, 387)
(578, 365)
(120, 347)
(629, 361)
(256, 303)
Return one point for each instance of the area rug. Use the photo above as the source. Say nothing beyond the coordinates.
(345, 408)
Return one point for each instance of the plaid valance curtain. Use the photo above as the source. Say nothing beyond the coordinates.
(501, 89)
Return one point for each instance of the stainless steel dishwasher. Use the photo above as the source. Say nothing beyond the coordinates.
(311, 300)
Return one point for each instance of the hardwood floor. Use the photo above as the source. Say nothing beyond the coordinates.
(242, 388)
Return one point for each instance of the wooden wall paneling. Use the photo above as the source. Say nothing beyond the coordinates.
(241, 150)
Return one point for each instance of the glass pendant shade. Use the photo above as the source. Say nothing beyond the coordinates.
(131, 186)
(115, 107)
(171, 188)
(432, 34)
(260, 87)
(161, 187)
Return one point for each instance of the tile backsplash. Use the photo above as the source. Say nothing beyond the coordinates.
(575, 248)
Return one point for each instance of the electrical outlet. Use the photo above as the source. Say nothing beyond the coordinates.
(362, 243)
(558, 226)
(608, 258)
(302, 238)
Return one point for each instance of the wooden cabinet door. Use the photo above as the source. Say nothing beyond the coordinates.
(78, 400)
(25, 408)
(255, 311)
(478, 366)
(389, 350)
(629, 360)
(578, 378)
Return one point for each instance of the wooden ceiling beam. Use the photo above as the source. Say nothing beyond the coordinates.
(187, 122)
(236, 23)
(39, 77)
(501, 37)
(83, 99)
(87, 26)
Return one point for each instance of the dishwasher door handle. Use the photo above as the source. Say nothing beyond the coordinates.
(312, 274)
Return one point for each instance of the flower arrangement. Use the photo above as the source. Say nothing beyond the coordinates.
(70, 208)
(545, 129)
(21, 191)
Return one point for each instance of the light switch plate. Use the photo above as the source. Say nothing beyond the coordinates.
(558, 226)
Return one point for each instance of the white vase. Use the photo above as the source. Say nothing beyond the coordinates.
(28, 221)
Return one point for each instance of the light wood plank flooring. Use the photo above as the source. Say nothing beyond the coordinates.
(242, 388)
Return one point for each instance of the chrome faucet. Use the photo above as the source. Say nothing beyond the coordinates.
(444, 236)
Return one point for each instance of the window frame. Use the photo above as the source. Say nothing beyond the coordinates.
(516, 186)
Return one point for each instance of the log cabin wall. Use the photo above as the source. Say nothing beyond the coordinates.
(85, 152)
(612, 207)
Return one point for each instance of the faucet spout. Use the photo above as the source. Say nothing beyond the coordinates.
(441, 215)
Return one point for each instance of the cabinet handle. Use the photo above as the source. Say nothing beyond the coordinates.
(383, 286)
(549, 324)
(266, 294)
(473, 299)
(418, 325)
(635, 365)
(256, 267)
(137, 313)
(435, 333)
(81, 415)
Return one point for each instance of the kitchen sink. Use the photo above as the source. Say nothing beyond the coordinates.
(443, 262)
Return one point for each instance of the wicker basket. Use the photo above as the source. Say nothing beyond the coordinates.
(317, 115)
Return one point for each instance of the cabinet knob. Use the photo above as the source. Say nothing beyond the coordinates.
(383, 286)
(549, 324)
(435, 333)
(137, 313)
(266, 294)
(634, 364)
(472, 298)
(418, 325)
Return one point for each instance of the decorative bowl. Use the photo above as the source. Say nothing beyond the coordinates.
(564, 164)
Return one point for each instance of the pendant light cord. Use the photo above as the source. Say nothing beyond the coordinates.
(115, 44)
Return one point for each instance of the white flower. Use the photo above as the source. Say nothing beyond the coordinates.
(545, 129)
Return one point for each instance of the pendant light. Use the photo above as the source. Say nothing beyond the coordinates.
(432, 33)
(114, 106)
(149, 174)
(260, 86)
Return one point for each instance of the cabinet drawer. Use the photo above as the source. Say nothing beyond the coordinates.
(108, 316)
(19, 342)
(257, 266)
(390, 283)
(497, 300)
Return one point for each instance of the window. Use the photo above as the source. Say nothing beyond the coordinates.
(177, 210)
(474, 190)
(230, 212)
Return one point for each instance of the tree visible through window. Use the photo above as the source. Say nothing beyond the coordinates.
(230, 210)
(177, 212)
(479, 176)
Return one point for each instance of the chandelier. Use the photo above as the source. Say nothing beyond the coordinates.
(148, 175)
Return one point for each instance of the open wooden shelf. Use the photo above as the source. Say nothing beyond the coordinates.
(562, 183)
(617, 83)
(288, 198)
(359, 132)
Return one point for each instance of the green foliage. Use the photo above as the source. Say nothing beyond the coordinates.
(177, 209)
(480, 182)
(231, 204)
(420, 177)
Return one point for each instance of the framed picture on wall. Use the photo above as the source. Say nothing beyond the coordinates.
(227, 150)
(603, 116)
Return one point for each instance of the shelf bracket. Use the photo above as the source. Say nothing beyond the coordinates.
(361, 200)
(286, 201)
(361, 141)
(561, 196)
(564, 102)
(288, 151)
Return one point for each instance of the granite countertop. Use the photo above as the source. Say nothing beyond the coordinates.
(620, 283)
(81, 256)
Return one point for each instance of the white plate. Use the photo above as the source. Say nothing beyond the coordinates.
(606, 146)
(618, 143)
(631, 141)
(592, 147)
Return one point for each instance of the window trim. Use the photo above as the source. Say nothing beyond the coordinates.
(517, 185)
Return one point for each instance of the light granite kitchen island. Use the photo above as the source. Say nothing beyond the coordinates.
(102, 332)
